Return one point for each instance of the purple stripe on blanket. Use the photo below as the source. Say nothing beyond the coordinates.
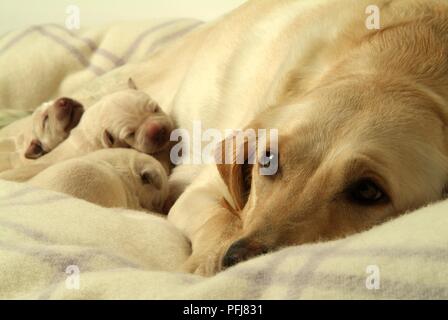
(356, 286)
(294, 284)
(17, 38)
(18, 193)
(73, 50)
(46, 200)
(30, 233)
(308, 276)
(135, 45)
(423, 253)
(48, 255)
(308, 270)
(171, 37)
(60, 261)
(117, 61)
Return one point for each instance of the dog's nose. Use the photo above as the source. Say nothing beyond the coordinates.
(242, 250)
(157, 134)
(64, 107)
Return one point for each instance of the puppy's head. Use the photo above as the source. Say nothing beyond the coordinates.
(52, 123)
(132, 118)
(350, 155)
(150, 181)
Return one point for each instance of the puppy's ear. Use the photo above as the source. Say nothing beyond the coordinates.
(34, 150)
(131, 84)
(107, 139)
(234, 160)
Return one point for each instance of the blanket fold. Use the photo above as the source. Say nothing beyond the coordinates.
(117, 253)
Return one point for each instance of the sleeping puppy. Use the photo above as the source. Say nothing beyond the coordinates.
(122, 178)
(125, 119)
(51, 123)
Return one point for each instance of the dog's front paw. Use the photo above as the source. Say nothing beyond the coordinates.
(205, 265)
(200, 266)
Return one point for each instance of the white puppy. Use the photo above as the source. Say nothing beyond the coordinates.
(51, 123)
(127, 118)
(111, 178)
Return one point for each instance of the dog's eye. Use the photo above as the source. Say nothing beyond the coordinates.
(266, 159)
(45, 121)
(366, 192)
(130, 135)
(156, 108)
(268, 163)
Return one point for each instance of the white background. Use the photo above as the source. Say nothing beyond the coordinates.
(23, 13)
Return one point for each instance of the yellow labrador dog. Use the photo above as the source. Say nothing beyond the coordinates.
(360, 108)
(361, 115)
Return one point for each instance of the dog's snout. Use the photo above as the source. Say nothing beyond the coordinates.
(157, 134)
(65, 106)
(64, 103)
(242, 250)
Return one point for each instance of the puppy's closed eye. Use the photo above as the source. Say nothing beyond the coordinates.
(108, 139)
(45, 121)
(151, 177)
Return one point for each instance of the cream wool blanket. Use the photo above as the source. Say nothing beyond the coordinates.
(51, 243)
(47, 61)
(124, 254)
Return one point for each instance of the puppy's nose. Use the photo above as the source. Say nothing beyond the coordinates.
(157, 134)
(242, 250)
(64, 107)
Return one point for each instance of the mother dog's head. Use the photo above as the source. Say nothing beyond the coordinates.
(351, 154)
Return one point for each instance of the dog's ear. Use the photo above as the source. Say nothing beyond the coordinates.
(131, 84)
(107, 139)
(234, 160)
(34, 150)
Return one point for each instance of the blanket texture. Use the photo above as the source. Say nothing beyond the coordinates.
(117, 253)
(48, 61)
(53, 246)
